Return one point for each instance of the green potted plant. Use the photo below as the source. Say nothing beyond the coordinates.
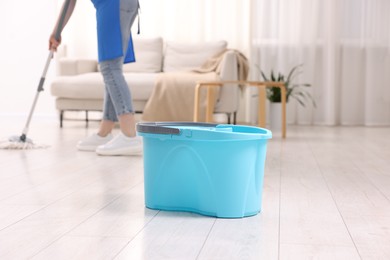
(295, 91)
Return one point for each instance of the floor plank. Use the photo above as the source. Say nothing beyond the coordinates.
(170, 235)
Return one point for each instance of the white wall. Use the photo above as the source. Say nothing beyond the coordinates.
(25, 27)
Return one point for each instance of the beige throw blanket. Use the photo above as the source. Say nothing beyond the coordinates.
(173, 96)
(214, 64)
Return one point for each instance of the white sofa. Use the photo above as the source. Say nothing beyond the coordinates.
(79, 85)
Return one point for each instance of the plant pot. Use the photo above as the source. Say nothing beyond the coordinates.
(275, 116)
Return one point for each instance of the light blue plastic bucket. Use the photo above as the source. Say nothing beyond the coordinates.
(214, 170)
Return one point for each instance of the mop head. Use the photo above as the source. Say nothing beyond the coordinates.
(16, 143)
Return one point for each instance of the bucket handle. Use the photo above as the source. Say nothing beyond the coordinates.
(168, 127)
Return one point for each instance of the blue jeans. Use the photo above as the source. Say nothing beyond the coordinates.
(117, 98)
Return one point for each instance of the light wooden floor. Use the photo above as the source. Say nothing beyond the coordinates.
(326, 196)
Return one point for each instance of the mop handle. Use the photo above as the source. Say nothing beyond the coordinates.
(40, 88)
(43, 77)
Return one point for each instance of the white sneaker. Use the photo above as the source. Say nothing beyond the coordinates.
(121, 145)
(91, 142)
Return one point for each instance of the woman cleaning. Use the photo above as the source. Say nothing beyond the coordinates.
(115, 47)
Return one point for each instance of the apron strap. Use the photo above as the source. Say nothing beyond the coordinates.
(139, 22)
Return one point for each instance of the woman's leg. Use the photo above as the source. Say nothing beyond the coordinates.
(118, 107)
(128, 13)
(118, 101)
(118, 104)
(109, 117)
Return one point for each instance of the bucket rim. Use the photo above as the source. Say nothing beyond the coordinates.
(173, 128)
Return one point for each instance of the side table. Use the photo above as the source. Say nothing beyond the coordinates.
(261, 85)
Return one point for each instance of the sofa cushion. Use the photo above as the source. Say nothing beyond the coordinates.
(141, 84)
(91, 85)
(180, 56)
(87, 85)
(148, 55)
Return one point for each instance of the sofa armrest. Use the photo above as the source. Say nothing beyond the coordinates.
(69, 66)
(228, 101)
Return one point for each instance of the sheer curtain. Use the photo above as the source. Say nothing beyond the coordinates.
(344, 46)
